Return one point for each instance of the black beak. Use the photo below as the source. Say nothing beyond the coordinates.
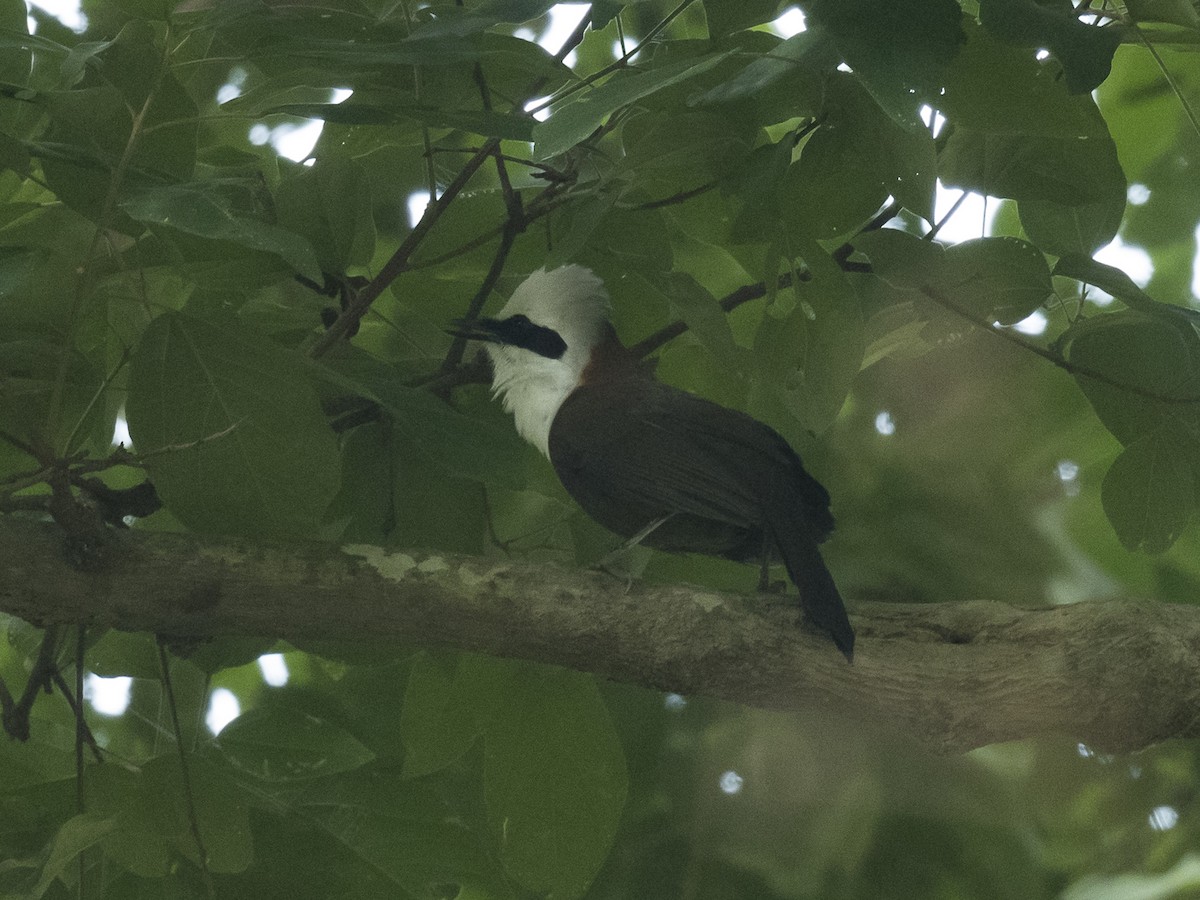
(476, 330)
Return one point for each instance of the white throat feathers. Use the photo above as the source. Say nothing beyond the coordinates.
(572, 301)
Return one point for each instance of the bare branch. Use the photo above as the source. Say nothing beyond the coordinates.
(1116, 675)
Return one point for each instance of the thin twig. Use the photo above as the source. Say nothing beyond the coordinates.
(938, 225)
(620, 63)
(729, 302)
(76, 709)
(16, 714)
(1052, 357)
(674, 199)
(104, 223)
(398, 263)
(1170, 79)
(189, 798)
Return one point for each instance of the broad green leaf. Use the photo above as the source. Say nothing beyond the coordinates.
(95, 126)
(30, 367)
(329, 204)
(581, 113)
(510, 126)
(554, 777)
(1001, 89)
(1026, 167)
(203, 209)
(439, 722)
(836, 185)
(1108, 278)
(808, 361)
(807, 53)
(463, 446)
(1001, 279)
(417, 838)
(1176, 882)
(901, 259)
(14, 64)
(1063, 230)
(1176, 12)
(1149, 491)
(727, 16)
(1150, 368)
(1085, 50)
(151, 809)
(458, 22)
(704, 317)
(77, 835)
(125, 653)
(282, 745)
(898, 49)
(672, 153)
(245, 445)
(222, 810)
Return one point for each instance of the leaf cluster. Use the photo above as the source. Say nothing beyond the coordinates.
(273, 331)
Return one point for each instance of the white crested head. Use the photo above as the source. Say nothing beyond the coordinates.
(570, 301)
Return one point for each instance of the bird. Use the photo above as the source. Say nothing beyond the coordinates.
(647, 460)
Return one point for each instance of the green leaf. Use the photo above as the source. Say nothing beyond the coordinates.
(1062, 230)
(510, 126)
(414, 837)
(808, 52)
(583, 112)
(329, 204)
(1151, 369)
(252, 451)
(901, 259)
(705, 319)
(1027, 167)
(280, 745)
(94, 126)
(808, 361)
(458, 22)
(1085, 51)
(439, 722)
(459, 445)
(1108, 278)
(898, 49)
(151, 807)
(1149, 492)
(1001, 89)
(77, 834)
(837, 183)
(727, 16)
(1175, 12)
(124, 653)
(222, 810)
(201, 208)
(554, 776)
(1002, 279)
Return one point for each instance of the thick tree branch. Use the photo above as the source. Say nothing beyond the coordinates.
(1116, 675)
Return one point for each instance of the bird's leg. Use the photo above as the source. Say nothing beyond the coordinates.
(764, 572)
(606, 564)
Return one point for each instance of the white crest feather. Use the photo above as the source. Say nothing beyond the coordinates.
(573, 302)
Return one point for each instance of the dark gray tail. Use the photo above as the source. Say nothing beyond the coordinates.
(819, 595)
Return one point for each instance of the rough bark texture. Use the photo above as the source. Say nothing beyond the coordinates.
(1115, 675)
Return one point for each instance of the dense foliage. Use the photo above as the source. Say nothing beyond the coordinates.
(274, 333)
